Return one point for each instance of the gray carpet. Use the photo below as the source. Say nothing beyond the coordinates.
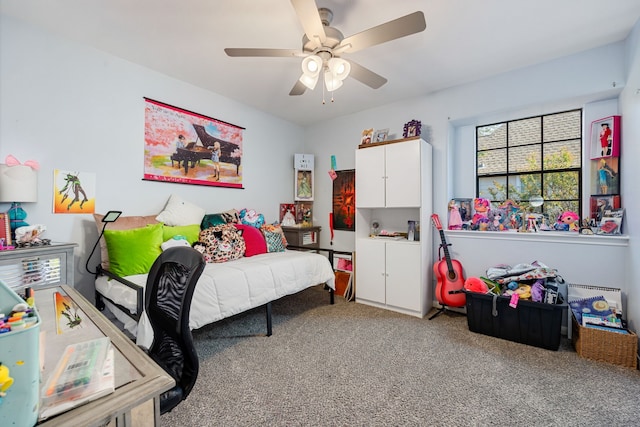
(353, 365)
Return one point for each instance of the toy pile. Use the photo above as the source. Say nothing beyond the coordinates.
(534, 282)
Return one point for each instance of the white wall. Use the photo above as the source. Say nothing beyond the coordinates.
(629, 106)
(71, 107)
(581, 80)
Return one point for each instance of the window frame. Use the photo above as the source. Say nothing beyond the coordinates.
(507, 175)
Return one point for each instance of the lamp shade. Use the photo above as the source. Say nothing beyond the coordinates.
(331, 82)
(309, 81)
(339, 68)
(18, 183)
(311, 65)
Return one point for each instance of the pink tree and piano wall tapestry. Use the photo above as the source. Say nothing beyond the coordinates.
(185, 147)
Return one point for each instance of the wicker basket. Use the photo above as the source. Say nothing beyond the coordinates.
(605, 346)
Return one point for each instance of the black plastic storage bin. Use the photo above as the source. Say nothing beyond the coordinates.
(533, 323)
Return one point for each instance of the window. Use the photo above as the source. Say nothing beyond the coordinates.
(532, 157)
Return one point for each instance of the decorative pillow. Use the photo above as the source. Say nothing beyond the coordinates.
(273, 234)
(223, 242)
(180, 212)
(251, 217)
(227, 217)
(253, 239)
(133, 251)
(191, 232)
(123, 223)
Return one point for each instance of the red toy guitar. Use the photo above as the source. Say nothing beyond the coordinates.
(449, 274)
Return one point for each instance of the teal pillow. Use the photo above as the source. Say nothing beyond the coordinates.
(191, 232)
(211, 220)
(133, 251)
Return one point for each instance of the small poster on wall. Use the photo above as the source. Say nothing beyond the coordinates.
(189, 148)
(605, 137)
(303, 185)
(344, 200)
(74, 192)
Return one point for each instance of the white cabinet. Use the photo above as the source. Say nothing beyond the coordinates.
(390, 276)
(389, 175)
(393, 186)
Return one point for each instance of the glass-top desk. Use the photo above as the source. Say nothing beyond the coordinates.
(138, 380)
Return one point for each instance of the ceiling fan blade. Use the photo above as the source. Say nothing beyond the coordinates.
(298, 89)
(366, 76)
(247, 52)
(307, 12)
(401, 27)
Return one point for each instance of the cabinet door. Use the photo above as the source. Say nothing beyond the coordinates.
(403, 286)
(402, 163)
(370, 177)
(370, 271)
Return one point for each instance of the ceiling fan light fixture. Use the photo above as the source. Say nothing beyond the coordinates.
(339, 68)
(311, 65)
(331, 82)
(309, 81)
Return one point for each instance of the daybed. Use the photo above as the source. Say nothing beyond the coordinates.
(224, 288)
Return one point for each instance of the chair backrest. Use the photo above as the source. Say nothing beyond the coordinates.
(168, 293)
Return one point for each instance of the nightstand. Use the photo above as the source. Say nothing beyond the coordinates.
(306, 237)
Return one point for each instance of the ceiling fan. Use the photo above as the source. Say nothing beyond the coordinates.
(323, 46)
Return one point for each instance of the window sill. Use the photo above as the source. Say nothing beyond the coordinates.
(543, 236)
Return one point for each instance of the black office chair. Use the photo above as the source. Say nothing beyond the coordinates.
(169, 290)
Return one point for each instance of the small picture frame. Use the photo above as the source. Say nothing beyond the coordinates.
(304, 187)
(381, 135)
(367, 136)
(304, 214)
(600, 204)
(605, 175)
(288, 214)
(605, 137)
(412, 128)
(611, 222)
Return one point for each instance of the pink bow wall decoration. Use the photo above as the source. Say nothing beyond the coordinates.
(12, 161)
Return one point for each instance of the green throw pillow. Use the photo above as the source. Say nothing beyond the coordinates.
(133, 251)
(191, 232)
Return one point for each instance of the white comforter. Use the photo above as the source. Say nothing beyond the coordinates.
(229, 288)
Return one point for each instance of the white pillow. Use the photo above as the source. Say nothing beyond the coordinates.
(180, 212)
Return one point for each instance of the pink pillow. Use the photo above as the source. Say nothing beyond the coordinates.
(254, 240)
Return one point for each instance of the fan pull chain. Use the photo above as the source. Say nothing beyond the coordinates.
(323, 87)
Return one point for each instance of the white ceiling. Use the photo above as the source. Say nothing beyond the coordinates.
(465, 40)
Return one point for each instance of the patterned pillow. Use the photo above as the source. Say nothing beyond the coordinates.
(251, 217)
(223, 242)
(231, 216)
(273, 234)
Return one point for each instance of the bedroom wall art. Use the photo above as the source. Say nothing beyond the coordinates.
(74, 192)
(184, 147)
(344, 200)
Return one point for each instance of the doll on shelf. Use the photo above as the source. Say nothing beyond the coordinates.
(455, 219)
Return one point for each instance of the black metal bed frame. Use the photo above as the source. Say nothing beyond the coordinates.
(140, 295)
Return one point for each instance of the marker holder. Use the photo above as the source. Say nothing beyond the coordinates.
(20, 352)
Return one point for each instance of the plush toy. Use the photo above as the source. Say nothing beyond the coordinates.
(480, 218)
(251, 217)
(476, 284)
(537, 291)
(223, 242)
(495, 217)
(5, 381)
(202, 248)
(567, 220)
